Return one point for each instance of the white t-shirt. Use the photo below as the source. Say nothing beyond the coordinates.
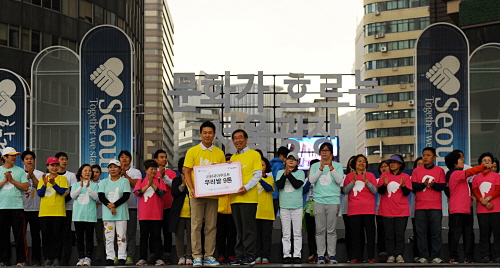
(134, 174)
(71, 178)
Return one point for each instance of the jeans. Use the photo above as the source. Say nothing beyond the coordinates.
(431, 218)
(246, 230)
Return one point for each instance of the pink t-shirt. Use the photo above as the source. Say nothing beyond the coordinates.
(486, 185)
(360, 200)
(393, 203)
(460, 200)
(149, 205)
(428, 198)
(167, 197)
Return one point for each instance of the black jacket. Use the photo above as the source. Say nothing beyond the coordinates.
(177, 204)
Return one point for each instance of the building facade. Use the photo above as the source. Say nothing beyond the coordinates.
(158, 79)
(390, 29)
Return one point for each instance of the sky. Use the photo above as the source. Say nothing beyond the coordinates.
(274, 36)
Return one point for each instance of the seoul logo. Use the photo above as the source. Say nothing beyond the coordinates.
(7, 105)
(442, 75)
(106, 77)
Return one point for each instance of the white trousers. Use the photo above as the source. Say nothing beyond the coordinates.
(120, 228)
(291, 219)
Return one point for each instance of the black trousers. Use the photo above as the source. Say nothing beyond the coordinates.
(67, 236)
(361, 224)
(348, 237)
(52, 242)
(13, 218)
(150, 235)
(460, 226)
(276, 204)
(167, 236)
(488, 224)
(395, 235)
(84, 238)
(311, 234)
(264, 238)
(226, 235)
(31, 218)
(246, 231)
(380, 234)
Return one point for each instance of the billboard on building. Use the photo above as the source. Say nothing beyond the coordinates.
(12, 112)
(442, 90)
(106, 95)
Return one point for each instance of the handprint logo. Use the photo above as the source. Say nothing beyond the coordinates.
(392, 187)
(7, 105)
(106, 77)
(288, 187)
(49, 191)
(442, 75)
(204, 162)
(148, 193)
(8, 186)
(84, 199)
(113, 196)
(325, 180)
(358, 187)
(425, 178)
(260, 189)
(484, 188)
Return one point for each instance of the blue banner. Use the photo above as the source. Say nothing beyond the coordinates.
(442, 90)
(106, 95)
(12, 112)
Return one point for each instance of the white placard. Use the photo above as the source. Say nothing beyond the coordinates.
(217, 179)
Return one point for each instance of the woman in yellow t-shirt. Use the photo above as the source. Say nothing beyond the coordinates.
(52, 191)
(265, 214)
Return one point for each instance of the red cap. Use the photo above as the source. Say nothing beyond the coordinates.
(52, 160)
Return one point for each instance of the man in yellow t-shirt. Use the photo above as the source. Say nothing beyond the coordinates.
(202, 154)
(244, 203)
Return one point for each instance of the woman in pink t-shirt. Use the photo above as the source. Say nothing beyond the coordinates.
(361, 189)
(486, 188)
(394, 188)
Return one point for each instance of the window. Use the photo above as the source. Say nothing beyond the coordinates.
(86, 11)
(13, 36)
(396, 114)
(3, 34)
(98, 15)
(35, 41)
(56, 5)
(25, 39)
(36, 2)
(396, 26)
(47, 4)
(70, 8)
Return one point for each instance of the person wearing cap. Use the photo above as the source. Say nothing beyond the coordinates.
(203, 209)
(67, 233)
(52, 189)
(428, 181)
(290, 181)
(132, 175)
(13, 183)
(327, 176)
(32, 206)
(244, 203)
(114, 193)
(460, 220)
(394, 186)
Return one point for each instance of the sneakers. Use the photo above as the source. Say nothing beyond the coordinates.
(297, 260)
(287, 260)
(485, 259)
(391, 259)
(265, 261)
(189, 261)
(211, 261)
(371, 260)
(236, 261)
(167, 260)
(80, 262)
(437, 260)
(453, 261)
(35, 263)
(181, 261)
(400, 259)
(109, 262)
(197, 262)
(356, 261)
(129, 261)
(56, 262)
(321, 260)
(247, 260)
(382, 258)
(422, 260)
(21, 264)
(87, 261)
(141, 262)
(311, 259)
(258, 260)
(332, 260)
(222, 260)
(116, 261)
(3, 264)
(159, 262)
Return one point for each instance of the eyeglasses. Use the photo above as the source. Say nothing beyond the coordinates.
(324, 150)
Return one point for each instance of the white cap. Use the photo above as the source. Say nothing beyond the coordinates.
(114, 162)
(10, 150)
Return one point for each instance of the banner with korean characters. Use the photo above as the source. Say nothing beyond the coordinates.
(218, 179)
(12, 112)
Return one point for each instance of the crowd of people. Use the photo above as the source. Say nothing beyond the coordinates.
(237, 228)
